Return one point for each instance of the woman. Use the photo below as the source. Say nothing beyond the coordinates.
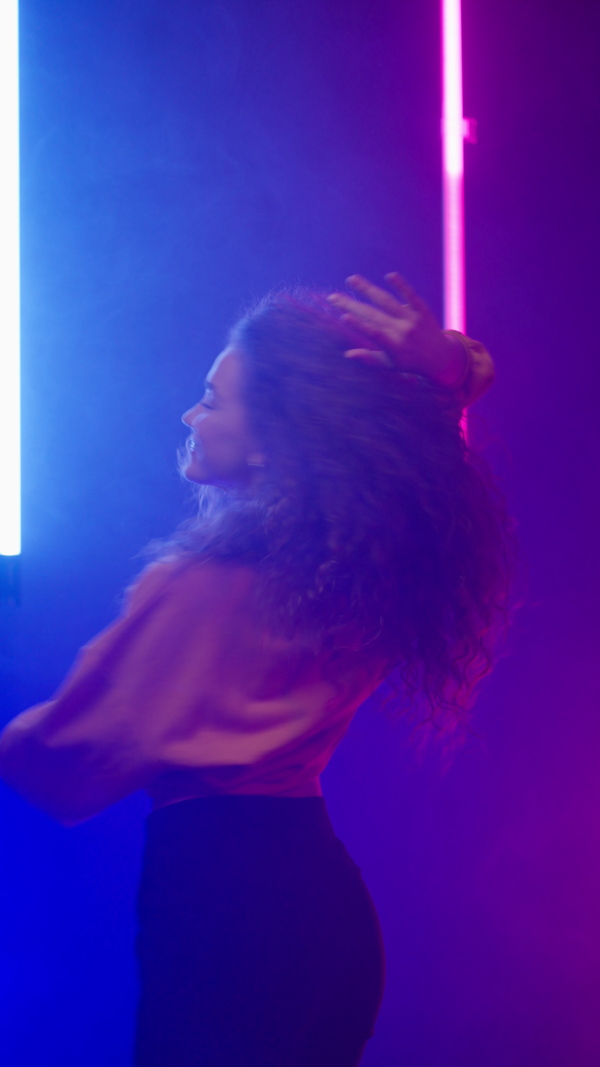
(345, 532)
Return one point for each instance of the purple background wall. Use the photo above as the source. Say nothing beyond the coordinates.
(178, 159)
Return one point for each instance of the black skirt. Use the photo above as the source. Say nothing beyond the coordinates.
(258, 942)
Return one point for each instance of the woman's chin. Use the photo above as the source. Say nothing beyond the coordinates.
(193, 469)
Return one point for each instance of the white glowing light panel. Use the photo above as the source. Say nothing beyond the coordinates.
(10, 465)
(453, 132)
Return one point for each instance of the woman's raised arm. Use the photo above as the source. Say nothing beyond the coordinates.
(402, 330)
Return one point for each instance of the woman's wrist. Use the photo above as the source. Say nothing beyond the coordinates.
(453, 361)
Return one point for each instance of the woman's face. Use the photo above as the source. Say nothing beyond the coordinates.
(221, 449)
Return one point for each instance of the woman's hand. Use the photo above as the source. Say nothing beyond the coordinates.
(406, 334)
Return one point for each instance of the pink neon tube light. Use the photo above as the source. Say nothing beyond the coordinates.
(453, 131)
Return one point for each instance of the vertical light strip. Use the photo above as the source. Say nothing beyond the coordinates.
(10, 430)
(453, 129)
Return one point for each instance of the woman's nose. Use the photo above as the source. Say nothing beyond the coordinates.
(189, 415)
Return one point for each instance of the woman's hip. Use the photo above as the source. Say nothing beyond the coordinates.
(255, 922)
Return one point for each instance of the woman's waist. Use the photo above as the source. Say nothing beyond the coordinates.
(243, 780)
(224, 824)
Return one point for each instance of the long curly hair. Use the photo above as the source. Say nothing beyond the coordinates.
(374, 527)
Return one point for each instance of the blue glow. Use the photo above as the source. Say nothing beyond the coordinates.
(10, 450)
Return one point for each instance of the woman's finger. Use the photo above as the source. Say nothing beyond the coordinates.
(369, 355)
(363, 324)
(406, 291)
(366, 314)
(379, 297)
(356, 307)
(376, 325)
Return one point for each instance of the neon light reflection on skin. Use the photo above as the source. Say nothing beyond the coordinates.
(10, 466)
